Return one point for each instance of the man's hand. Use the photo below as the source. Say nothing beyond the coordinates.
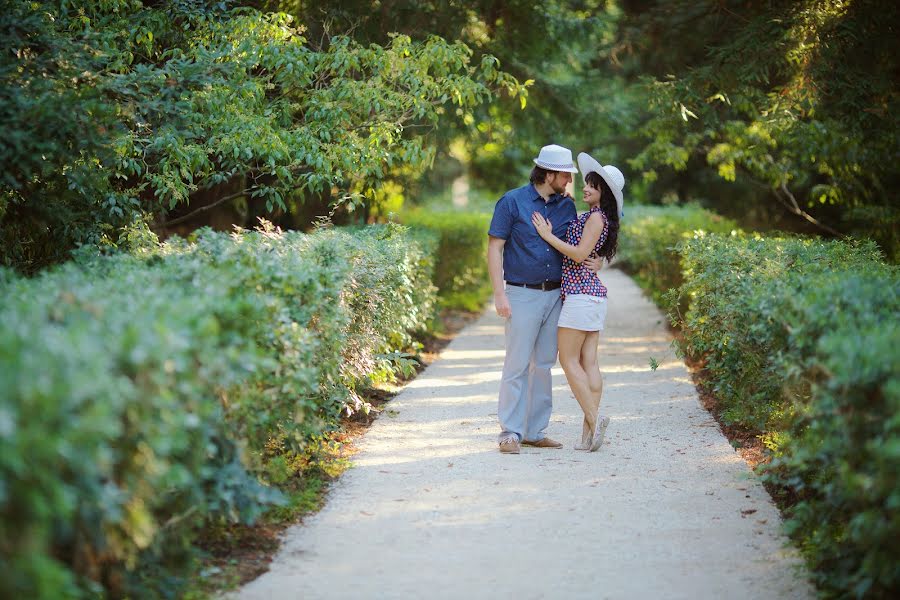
(593, 262)
(501, 304)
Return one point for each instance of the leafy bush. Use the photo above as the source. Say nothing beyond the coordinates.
(146, 395)
(117, 108)
(460, 271)
(799, 338)
(648, 238)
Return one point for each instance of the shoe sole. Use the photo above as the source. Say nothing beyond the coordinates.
(598, 438)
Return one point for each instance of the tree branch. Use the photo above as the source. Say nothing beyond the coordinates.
(184, 218)
(791, 204)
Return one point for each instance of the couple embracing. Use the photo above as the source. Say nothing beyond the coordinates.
(543, 260)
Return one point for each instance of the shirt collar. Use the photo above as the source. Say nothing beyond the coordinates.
(553, 199)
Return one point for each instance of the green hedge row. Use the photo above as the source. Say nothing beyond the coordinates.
(146, 396)
(800, 338)
(648, 241)
(460, 272)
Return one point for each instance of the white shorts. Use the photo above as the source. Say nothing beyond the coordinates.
(583, 312)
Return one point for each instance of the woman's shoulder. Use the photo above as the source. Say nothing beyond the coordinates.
(595, 215)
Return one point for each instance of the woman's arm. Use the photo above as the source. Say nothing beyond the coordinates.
(592, 230)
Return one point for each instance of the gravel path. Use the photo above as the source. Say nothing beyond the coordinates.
(666, 509)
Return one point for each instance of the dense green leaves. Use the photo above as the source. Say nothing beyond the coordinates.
(118, 110)
(799, 341)
(147, 395)
(649, 238)
(811, 121)
(460, 272)
(557, 46)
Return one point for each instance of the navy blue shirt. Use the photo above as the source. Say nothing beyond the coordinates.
(526, 257)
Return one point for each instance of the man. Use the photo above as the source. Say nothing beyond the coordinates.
(530, 299)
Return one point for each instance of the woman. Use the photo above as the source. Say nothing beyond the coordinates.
(584, 297)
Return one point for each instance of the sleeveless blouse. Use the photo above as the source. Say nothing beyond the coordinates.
(577, 278)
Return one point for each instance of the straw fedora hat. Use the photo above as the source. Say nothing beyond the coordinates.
(555, 158)
(610, 174)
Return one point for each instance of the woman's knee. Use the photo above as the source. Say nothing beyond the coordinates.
(571, 365)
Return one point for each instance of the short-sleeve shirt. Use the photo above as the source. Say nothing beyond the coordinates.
(577, 278)
(527, 258)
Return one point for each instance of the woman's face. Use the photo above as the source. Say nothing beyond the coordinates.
(591, 195)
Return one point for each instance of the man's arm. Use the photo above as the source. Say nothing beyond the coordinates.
(495, 270)
(593, 263)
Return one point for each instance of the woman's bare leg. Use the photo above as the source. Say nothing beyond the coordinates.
(591, 366)
(570, 342)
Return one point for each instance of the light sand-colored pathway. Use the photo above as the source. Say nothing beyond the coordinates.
(666, 509)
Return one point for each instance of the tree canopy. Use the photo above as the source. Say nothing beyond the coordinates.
(796, 100)
(116, 112)
(123, 116)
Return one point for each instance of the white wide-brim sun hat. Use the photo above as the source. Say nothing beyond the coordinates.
(610, 174)
(556, 158)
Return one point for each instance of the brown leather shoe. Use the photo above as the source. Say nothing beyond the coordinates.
(509, 446)
(543, 443)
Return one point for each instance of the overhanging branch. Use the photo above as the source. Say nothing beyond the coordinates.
(186, 217)
(788, 200)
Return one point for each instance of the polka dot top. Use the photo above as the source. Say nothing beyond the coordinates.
(577, 278)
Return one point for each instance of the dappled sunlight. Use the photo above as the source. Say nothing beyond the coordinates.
(456, 381)
(413, 455)
(479, 366)
(453, 355)
(423, 442)
(618, 351)
(619, 341)
(486, 330)
(455, 398)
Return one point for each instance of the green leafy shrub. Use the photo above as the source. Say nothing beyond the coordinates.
(117, 108)
(145, 396)
(460, 270)
(799, 337)
(114, 445)
(648, 238)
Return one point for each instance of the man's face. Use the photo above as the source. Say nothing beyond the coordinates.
(558, 180)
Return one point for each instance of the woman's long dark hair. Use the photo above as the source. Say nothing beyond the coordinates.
(610, 211)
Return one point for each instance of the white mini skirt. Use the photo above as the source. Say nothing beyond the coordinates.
(583, 312)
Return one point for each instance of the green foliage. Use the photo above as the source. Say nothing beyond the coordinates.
(648, 240)
(115, 110)
(799, 338)
(557, 47)
(460, 271)
(807, 123)
(148, 395)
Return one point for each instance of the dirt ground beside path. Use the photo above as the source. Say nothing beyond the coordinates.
(666, 509)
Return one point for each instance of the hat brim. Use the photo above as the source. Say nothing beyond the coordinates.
(562, 168)
(588, 164)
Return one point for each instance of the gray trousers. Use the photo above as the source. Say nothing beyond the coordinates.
(525, 387)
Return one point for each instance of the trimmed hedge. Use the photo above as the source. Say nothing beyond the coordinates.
(144, 396)
(799, 338)
(460, 272)
(648, 239)
(800, 341)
